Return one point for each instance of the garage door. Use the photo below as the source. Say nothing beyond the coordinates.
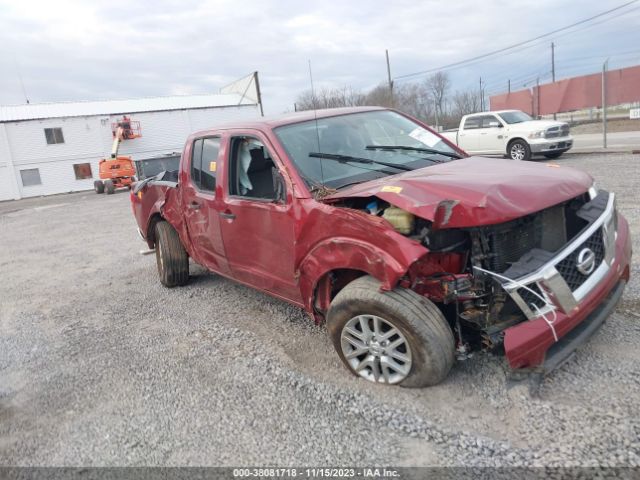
(6, 183)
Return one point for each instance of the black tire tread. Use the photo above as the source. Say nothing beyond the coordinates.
(176, 261)
(421, 316)
(109, 187)
(527, 155)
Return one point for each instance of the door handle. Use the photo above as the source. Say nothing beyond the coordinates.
(194, 206)
(228, 215)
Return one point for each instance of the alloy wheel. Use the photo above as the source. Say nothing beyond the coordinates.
(376, 349)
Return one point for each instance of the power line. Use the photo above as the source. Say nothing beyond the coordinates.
(519, 44)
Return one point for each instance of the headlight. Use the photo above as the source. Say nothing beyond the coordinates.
(538, 134)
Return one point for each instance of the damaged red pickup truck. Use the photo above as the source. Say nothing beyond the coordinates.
(413, 253)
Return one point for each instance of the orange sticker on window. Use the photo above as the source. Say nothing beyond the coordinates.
(212, 166)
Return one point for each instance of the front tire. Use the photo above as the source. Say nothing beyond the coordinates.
(519, 150)
(171, 257)
(109, 187)
(98, 186)
(390, 337)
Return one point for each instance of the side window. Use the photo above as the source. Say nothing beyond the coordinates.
(196, 162)
(472, 122)
(210, 149)
(204, 158)
(487, 120)
(252, 172)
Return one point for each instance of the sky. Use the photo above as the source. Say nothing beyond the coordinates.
(98, 49)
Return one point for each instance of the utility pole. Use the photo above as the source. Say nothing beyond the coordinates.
(553, 62)
(435, 109)
(481, 97)
(509, 86)
(553, 68)
(604, 103)
(386, 52)
(538, 97)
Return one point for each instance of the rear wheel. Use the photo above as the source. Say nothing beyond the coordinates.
(519, 150)
(98, 186)
(109, 187)
(171, 257)
(553, 155)
(395, 337)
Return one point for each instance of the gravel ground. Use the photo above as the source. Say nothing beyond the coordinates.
(100, 365)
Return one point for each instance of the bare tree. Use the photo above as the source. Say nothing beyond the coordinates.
(438, 86)
(465, 102)
(330, 98)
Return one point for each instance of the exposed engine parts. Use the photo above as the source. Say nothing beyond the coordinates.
(466, 269)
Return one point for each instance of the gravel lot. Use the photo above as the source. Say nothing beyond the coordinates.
(101, 365)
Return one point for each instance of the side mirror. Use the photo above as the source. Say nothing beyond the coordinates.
(279, 187)
(495, 125)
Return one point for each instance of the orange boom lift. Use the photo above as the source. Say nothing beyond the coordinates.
(118, 171)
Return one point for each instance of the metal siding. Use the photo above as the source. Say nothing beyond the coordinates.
(8, 187)
(89, 139)
(33, 111)
(208, 118)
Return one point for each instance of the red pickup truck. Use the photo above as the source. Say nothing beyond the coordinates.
(413, 253)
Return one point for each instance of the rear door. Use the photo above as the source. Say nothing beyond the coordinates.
(469, 135)
(202, 202)
(257, 228)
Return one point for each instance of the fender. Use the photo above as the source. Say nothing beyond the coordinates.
(348, 253)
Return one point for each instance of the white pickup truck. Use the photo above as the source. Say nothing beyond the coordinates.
(512, 133)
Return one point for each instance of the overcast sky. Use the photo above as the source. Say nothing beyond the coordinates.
(100, 49)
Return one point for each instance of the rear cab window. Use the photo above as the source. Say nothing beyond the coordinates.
(204, 163)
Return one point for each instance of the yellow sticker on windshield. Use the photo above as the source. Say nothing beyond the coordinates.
(391, 188)
(212, 166)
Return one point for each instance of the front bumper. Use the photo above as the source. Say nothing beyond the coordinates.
(551, 145)
(527, 344)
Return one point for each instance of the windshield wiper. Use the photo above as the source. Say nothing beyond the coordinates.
(414, 149)
(349, 158)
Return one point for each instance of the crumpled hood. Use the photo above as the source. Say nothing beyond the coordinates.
(475, 191)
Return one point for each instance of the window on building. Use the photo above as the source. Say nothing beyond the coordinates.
(53, 135)
(204, 159)
(30, 177)
(82, 171)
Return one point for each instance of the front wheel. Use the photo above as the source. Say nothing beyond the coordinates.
(98, 186)
(553, 155)
(109, 187)
(171, 257)
(390, 337)
(519, 150)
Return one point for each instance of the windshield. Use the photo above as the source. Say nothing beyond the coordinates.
(362, 147)
(515, 117)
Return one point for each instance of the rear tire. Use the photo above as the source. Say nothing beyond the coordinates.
(553, 155)
(519, 150)
(109, 187)
(171, 257)
(396, 331)
(98, 186)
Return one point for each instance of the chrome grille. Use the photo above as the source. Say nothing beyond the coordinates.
(567, 267)
(556, 132)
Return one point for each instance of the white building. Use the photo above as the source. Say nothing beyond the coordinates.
(55, 147)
